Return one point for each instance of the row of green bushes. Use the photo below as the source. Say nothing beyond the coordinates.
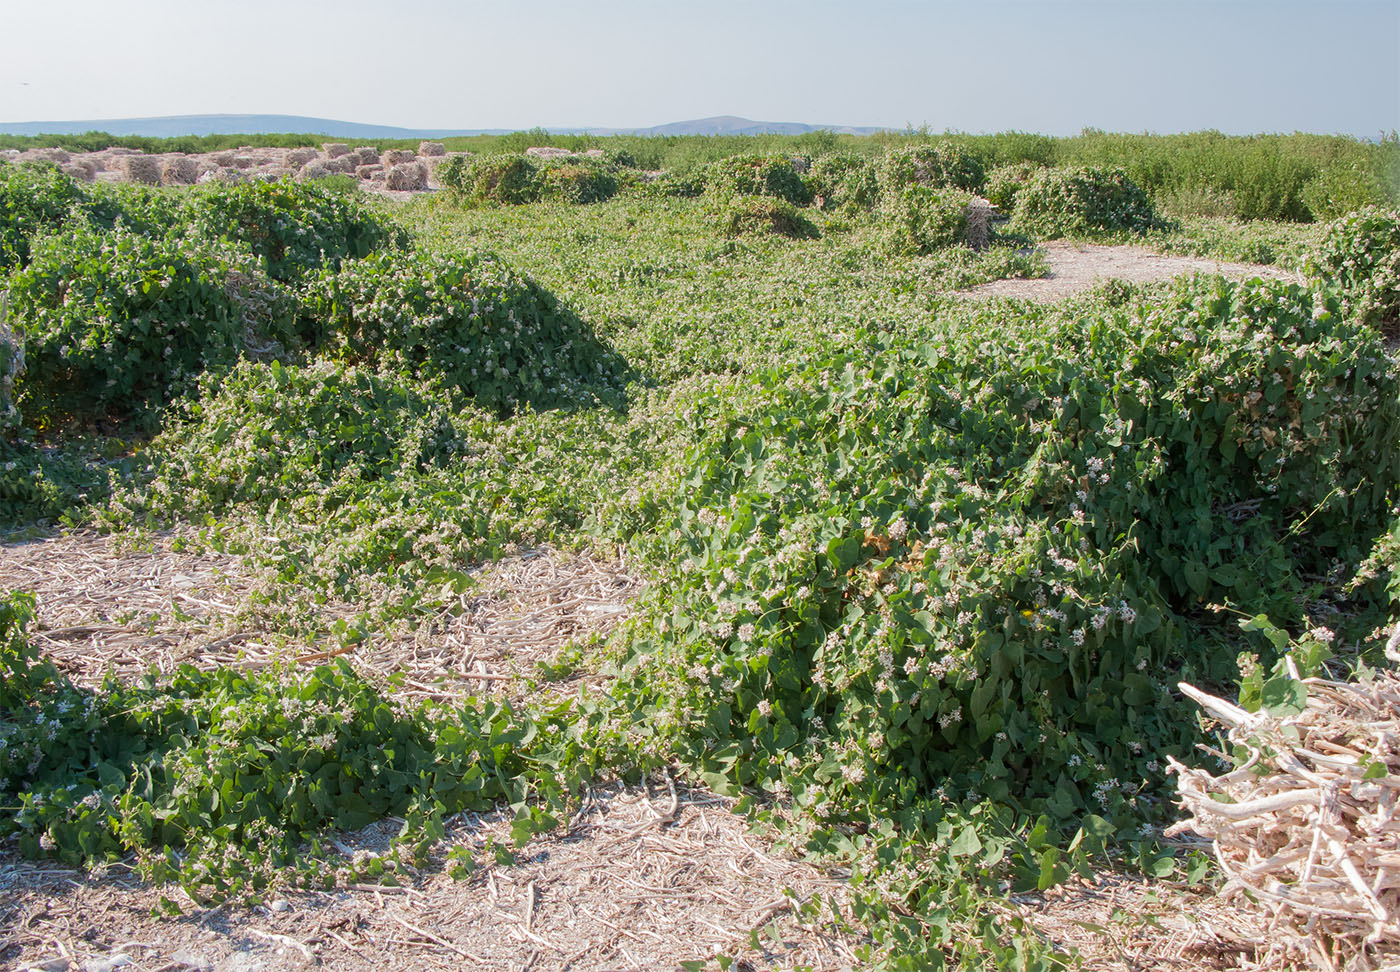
(121, 301)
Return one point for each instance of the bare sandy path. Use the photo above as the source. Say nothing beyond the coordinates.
(1078, 266)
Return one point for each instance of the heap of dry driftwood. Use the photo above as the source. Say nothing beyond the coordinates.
(1307, 826)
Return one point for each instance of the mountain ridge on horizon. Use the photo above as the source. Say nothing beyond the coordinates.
(171, 126)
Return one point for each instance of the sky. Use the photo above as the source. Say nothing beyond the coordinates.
(1051, 66)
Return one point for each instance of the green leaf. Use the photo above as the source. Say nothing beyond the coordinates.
(1283, 695)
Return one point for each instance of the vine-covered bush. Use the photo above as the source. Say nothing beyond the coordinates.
(960, 570)
(1360, 256)
(946, 165)
(577, 181)
(263, 431)
(1343, 188)
(844, 182)
(142, 209)
(117, 324)
(1081, 199)
(741, 214)
(470, 321)
(1005, 182)
(11, 364)
(296, 227)
(757, 175)
(502, 179)
(920, 219)
(32, 198)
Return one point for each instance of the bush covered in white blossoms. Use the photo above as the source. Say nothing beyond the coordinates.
(1360, 256)
(116, 324)
(983, 566)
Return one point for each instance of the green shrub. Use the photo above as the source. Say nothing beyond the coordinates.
(741, 215)
(11, 364)
(142, 209)
(844, 182)
(263, 431)
(577, 181)
(469, 321)
(1360, 256)
(502, 179)
(1005, 182)
(32, 199)
(1341, 188)
(116, 324)
(296, 227)
(1083, 199)
(919, 219)
(973, 568)
(944, 165)
(757, 175)
(673, 185)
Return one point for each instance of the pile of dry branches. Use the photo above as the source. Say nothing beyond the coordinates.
(1307, 825)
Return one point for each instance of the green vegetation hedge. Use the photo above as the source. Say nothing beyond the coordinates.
(116, 325)
(946, 165)
(964, 570)
(11, 364)
(469, 321)
(296, 227)
(919, 219)
(1342, 188)
(1004, 184)
(757, 175)
(1082, 199)
(844, 182)
(743, 214)
(1360, 256)
(501, 179)
(577, 181)
(32, 199)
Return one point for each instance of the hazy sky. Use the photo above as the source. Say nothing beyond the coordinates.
(1052, 66)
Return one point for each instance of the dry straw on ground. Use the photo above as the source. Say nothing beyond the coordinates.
(1306, 828)
(641, 877)
(103, 607)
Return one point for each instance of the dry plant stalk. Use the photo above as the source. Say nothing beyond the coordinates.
(1306, 827)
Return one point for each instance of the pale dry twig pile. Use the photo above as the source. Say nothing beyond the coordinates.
(1307, 825)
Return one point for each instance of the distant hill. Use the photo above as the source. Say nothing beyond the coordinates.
(174, 125)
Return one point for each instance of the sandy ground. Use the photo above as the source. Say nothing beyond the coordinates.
(642, 878)
(1075, 267)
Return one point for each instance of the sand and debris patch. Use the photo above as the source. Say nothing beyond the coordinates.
(1076, 267)
(642, 877)
(105, 607)
(1123, 923)
(524, 609)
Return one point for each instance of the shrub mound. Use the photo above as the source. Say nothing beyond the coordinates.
(117, 324)
(757, 175)
(501, 179)
(742, 214)
(296, 227)
(1004, 184)
(32, 199)
(920, 219)
(957, 571)
(1360, 256)
(578, 181)
(945, 165)
(1081, 199)
(469, 321)
(844, 182)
